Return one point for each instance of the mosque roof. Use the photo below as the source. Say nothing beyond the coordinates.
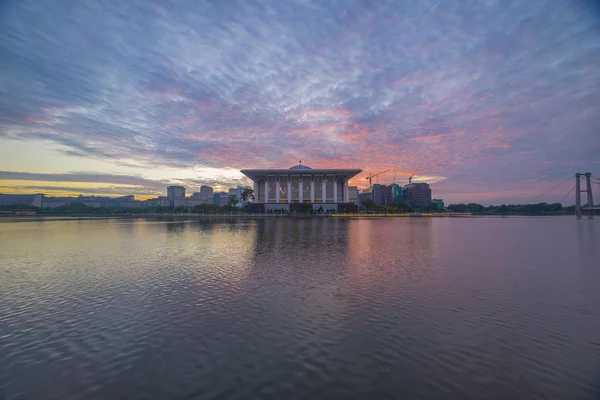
(300, 167)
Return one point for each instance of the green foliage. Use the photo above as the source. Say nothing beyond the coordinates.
(539, 208)
(368, 204)
(247, 194)
(232, 201)
(161, 209)
(301, 208)
(206, 209)
(20, 207)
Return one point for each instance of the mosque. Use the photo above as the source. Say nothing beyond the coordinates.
(287, 189)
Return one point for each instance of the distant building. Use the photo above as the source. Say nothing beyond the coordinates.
(220, 198)
(90, 203)
(204, 195)
(386, 195)
(205, 192)
(161, 201)
(55, 202)
(131, 204)
(417, 194)
(104, 201)
(177, 195)
(353, 194)
(380, 194)
(34, 200)
(396, 193)
(237, 192)
(191, 202)
(438, 202)
(175, 192)
(377, 194)
(366, 194)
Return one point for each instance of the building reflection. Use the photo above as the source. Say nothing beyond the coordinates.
(298, 266)
(389, 247)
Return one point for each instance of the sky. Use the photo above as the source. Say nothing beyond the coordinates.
(489, 101)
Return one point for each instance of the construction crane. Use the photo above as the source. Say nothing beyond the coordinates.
(394, 180)
(371, 176)
(410, 179)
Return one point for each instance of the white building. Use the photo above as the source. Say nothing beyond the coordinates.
(353, 194)
(21, 199)
(237, 192)
(277, 189)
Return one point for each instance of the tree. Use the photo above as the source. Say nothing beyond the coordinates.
(232, 201)
(247, 194)
(368, 204)
(402, 207)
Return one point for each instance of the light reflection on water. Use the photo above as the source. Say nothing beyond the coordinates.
(307, 308)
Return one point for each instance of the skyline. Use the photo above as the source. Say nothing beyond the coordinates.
(490, 102)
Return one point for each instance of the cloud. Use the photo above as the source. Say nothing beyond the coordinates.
(80, 177)
(108, 183)
(484, 94)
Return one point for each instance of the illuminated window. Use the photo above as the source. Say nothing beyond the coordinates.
(283, 180)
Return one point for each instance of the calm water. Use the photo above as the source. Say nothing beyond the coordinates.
(500, 308)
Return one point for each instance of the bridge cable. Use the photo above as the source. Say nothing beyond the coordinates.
(549, 190)
(567, 195)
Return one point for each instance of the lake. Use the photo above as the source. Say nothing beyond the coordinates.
(324, 308)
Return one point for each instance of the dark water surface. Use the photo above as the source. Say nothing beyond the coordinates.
(498, 308)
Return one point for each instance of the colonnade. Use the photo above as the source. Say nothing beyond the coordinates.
(334, 182)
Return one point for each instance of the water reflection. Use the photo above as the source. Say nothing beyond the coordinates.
(309, 308)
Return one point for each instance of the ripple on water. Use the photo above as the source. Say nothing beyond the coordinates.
(299, 309)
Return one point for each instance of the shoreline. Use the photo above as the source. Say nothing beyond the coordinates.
(192, 216)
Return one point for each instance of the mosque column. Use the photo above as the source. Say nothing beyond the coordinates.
(335, 199)
(300, 190)
(256, 189)
(266, 189)
(312, 189)
(289, 190)
(346, 192)
(277, 187)
(324, 190)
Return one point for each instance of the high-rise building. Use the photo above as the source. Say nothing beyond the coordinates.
(175, 194)
(377, 196)
(220, 198)
(386, 195)
(204, 196)
(381, 194)
(396, 193)
(353, 194)
(205, 192)
(417, 194)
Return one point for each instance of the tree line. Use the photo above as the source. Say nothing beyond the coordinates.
(539, 208)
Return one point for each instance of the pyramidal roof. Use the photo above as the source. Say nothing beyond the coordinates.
(300, 167)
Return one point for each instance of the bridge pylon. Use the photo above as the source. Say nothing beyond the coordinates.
(588, 190)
